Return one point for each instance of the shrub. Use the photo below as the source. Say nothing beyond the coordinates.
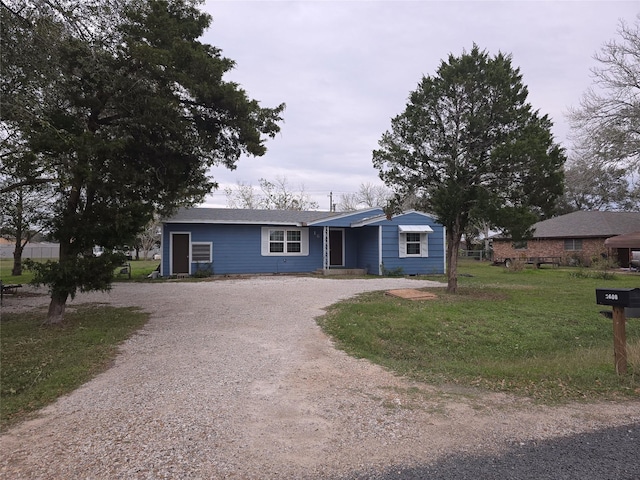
(396, 272)
(203, 270)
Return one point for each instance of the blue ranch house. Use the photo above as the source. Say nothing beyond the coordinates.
(225, 241)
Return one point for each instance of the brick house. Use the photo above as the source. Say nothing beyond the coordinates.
(573, 239)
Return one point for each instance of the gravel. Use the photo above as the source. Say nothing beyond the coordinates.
(234, 379)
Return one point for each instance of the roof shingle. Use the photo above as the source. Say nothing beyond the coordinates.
(584, 224)
(246, 216)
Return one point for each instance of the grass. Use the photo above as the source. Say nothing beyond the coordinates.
(140, 269)
(40, 363)
(535, 332)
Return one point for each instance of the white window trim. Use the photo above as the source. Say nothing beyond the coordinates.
(304, 242)
(209, 244)
(402, 246)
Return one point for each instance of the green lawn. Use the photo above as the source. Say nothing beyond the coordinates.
(536, 332)
(140, 269)
(40, 363)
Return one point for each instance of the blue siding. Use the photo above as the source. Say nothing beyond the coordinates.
(350, 248)
(237, 250)
(357, 243)
(368, 250)
(433, 264)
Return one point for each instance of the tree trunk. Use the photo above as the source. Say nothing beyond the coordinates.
(453, 245)
(57, 308)
(17, 252)
(17, 259)
(59, 296)
(60, 292)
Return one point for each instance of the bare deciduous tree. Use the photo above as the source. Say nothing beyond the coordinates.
(24, 212)
(149, 238)
(272, 195)
(592, 185)
(606, 125)
(367, 196)
(243, 195)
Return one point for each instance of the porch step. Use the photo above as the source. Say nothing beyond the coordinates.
(342, 271)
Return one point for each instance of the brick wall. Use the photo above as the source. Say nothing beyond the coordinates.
(591, 248)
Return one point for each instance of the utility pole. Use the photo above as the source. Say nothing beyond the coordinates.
(331, 206)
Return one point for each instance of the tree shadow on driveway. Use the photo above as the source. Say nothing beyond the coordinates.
(608, 454)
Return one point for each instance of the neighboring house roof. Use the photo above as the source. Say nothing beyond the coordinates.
(629, 240)
(247, 216)
(584, 224)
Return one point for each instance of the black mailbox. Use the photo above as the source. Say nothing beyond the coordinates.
(618, 297)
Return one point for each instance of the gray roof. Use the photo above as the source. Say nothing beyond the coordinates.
(247, 216)
(584, 224)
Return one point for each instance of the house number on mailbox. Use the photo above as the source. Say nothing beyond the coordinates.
(611, 296)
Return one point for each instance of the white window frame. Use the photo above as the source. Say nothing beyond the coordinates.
(412, 239)
(402, 246)
(193, 257)
(266, 241)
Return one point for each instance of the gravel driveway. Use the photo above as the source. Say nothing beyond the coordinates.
(234, 379)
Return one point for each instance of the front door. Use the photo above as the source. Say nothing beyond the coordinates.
(180, 255)
(336, 248)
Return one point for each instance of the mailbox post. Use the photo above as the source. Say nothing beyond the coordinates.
(619, 298)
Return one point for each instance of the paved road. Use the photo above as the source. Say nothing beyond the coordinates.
(608, 454)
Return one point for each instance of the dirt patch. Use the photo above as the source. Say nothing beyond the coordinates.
(412, 294)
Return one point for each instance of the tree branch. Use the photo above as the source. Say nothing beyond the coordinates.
(30, 182)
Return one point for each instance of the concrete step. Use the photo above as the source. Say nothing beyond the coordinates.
(342, 271)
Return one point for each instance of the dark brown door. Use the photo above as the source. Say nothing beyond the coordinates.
(180, 256)
(335, 248)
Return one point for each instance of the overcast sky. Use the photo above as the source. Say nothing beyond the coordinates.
(345, 68)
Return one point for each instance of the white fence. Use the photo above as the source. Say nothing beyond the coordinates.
(32, 250)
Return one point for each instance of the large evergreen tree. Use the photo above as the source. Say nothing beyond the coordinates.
(125, 123)
(469, 146)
